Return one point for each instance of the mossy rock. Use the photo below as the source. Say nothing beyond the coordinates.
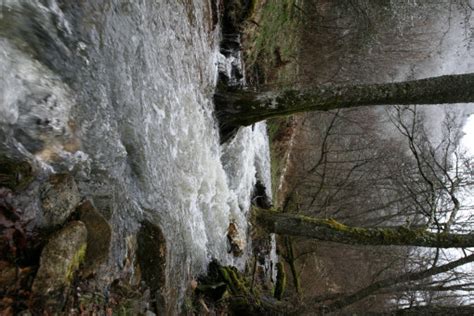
(59, 261)
(59, 198)
(99, 235)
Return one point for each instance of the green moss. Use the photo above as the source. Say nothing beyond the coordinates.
(77, 259)
(332, 223)
(328, 222)
(235, 294)
(234, 281)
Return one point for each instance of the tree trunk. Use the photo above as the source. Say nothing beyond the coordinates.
(243, 108)
(331, 230)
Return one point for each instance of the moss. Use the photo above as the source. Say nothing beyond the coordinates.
(237, 298)
(280, 282)
(76, 261)
(328, 222)
(332, 223)
(231, 277)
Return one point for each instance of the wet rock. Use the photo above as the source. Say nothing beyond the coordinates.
(59, 198)
(151, 255)
(236, 242)
(60, 259)
(131, 268)
(15, 174)
(98, 237)
(7, 275)
(260, 197)
(127, 299)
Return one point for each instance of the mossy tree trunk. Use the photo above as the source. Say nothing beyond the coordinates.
(331, 230)
(243, 108)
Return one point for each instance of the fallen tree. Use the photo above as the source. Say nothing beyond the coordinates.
(237, 108)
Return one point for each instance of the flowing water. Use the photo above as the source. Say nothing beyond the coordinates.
(120, 94)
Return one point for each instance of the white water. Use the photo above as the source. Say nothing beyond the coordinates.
(137, 81)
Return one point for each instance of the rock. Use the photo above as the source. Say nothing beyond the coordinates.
(260, 197)
(7, 275)
(98, 237)
(131, 268)
(151, 255)
(15, 174)
(60, 259)
(237, 244)
(59, 198)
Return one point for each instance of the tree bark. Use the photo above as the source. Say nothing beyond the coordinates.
(331, 230)
(244, 107)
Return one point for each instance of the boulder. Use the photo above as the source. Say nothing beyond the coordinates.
(98, 237)
(60, 259)
(59, 198)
